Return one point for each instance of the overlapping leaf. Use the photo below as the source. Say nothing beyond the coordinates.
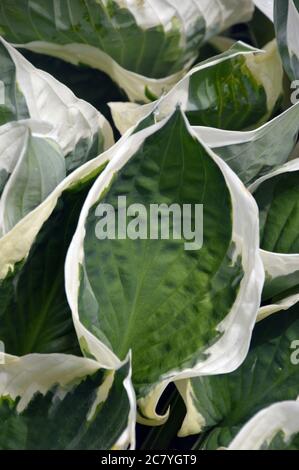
(76, 126)
(251, 154)
(276, 195)
(34, 313)
(235, 90)
(64, 402)
(275, 428)
(286, 20)
(104, 35)
(32, 166)
(222, 404)
(183, 307)
(254, 154)
(46, 133)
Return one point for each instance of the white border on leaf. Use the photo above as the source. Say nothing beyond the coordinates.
(265, 425)
(126, 115)
(50, 101)
(22, 377)
(230, 350)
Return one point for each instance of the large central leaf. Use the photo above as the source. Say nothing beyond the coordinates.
(152, 295)
(166, 285)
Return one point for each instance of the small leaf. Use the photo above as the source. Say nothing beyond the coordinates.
(274, 428)
(64, 402)
(222, 404)
(40, 169)
(76, 126)
(234, 91)
(277, 198)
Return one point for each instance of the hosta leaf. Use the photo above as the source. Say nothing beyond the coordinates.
(277, 302)
(222, 404)
(104, 34)
(34, 313)
(235, 90)
(64, 402)
(12, 102)
(278, 202)
(261, 29)
(277, 198)
(37, 166)
(286, 20)
(251, 154)
(12, 139)
(275, 428)
(181, 312)
(76, 126)
(16, 244)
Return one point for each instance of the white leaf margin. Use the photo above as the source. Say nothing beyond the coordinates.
(231, 349)
(218, 138)
(211, 136)
(267, 7)
(16, 244)
(279, 306)
(194, 422)
(218, 15)
(215, 138)
(132, 83)
(26, 375)
(264, 64)
(264, 426)
(48, 100)
(125, 115)
(278, 264)
(12, 138)
(286, 21)
(292, 33)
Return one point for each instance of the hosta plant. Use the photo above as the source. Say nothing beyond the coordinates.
(149, 259)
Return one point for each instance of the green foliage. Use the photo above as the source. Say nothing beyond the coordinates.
(143, 338)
